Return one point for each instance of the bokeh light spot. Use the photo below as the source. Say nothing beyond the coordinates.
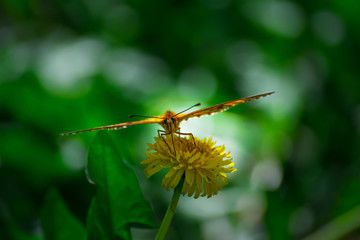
(281, 17)
(197, 83)
(74, 154)
(328, 27)
(267, 175)
(65, 68)
(135, 74)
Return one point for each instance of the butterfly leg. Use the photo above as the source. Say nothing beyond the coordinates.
(192, 136)
(172, 139)
(161, 134)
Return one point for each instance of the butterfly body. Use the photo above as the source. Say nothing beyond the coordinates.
(170, 123)
(170, 120)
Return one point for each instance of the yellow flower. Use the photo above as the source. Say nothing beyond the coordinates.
(202, 165)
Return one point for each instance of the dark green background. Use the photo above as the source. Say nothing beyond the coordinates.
(76, 64)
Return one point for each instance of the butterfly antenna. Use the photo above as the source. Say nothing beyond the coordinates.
(130, 116)
(198, 104)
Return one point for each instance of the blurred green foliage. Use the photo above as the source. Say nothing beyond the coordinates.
(118, 204)
(70, 65)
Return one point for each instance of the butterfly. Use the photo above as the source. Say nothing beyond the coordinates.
(170, 121)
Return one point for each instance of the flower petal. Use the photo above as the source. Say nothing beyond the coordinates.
(204, 165)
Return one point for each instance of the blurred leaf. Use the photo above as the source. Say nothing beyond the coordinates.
(18, 207)
(119, 203)
(10, 230)
(277, 217)
(58, 223)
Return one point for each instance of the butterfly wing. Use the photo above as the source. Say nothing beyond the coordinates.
(117, 126)
(219, 107)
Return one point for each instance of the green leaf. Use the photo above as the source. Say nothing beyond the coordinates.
(57, 221)
(119, 203)
(11, 230)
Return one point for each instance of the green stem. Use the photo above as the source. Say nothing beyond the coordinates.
(170, 212)
(339, 227)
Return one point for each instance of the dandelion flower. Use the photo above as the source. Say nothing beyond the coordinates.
(202, 164)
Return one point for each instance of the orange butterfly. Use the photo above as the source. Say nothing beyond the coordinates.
(170, 120)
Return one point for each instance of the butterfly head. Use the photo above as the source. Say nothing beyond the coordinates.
(171, 122)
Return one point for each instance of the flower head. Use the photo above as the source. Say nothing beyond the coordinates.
(202, 165)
